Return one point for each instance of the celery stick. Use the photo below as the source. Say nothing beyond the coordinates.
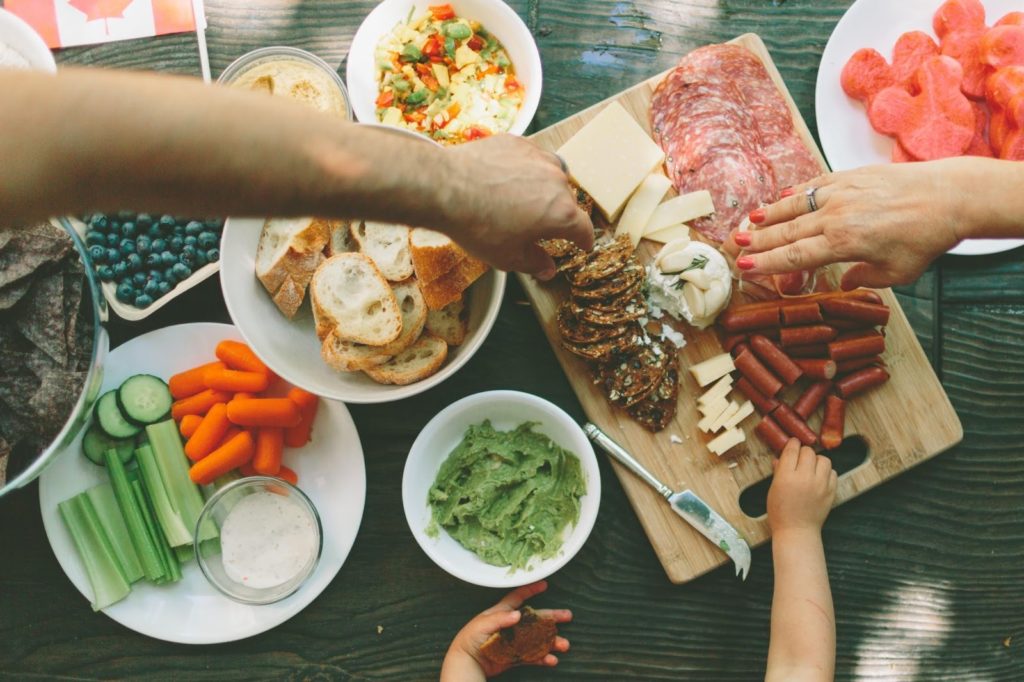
(108, 584)
(103, 501)
(145, 547)
(174, 528)
(172, 572)
(183, 494)
(185, 554)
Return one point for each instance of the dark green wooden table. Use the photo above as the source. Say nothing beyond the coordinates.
(927, 571)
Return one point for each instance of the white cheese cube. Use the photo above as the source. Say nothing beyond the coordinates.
(726, 441)
(719, 390)
(746, 409)
(714, 409)
(681, 209)
(609, 157)
(725, 416)
(669, 234)
(712, 369)
(642, 204)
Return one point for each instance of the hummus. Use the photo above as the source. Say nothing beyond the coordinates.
(296, 79)
(507, 496)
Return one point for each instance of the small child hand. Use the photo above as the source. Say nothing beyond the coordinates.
(464, 662)
(802, 490)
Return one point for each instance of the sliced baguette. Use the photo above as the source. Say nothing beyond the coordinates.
(449, 287)
(415, 363)
(433, 254)
(341, 240)
(449, 323)
(351, 298)
(287, 254)
(388, 246)
(348, 356)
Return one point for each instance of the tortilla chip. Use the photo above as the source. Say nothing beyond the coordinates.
(13, 292)
(41, 317)
(27, 249)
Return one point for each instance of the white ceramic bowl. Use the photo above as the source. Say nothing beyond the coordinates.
(495, 16)
(23, 39)
(506, 410)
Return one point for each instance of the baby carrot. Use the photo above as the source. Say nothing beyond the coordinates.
(190, 382)
(231, 455)
(286, 474)
(210, 433)
(298, 435)
(264, 412)
(269, 448)
(243, 395)
(199, 403)
(189, 424)
(231, 433)
(237, 355)
(233, 380)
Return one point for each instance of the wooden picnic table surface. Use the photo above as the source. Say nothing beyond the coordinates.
(927, 571)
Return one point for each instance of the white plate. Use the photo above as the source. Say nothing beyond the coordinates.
(846, 135)
(330, 470)
(291, 347)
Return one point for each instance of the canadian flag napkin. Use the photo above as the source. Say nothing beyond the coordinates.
(63, 23)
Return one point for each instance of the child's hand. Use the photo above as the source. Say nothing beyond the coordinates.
(464, 661)
(802, 491)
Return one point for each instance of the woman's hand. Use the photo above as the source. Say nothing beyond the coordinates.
(464, 662)
(892, 221)
(504, 194)
(802, 490)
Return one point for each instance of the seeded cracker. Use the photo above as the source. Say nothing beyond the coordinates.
(656, 411)
(630, 278)
(575, 330)
(632, 379)
(603, 262)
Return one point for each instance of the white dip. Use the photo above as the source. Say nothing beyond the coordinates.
(690, 280)
(266, 540)
(11, 58)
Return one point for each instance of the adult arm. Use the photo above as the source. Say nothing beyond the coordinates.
(88, 140)
(891, 221)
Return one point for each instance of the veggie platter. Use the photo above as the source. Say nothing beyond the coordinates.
(330, 468)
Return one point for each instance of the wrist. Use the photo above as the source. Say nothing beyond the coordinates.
(985, 197)
(796, 533)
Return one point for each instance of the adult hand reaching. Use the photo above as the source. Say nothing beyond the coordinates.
(891, 221)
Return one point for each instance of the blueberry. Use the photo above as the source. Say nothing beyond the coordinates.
(187, 257)
(113, 255)
(175, 243)
(99, 222)
(168, 276)
(125, 292)
(152, 288)
(113, 239)
(144, 221)
(127, 246)
(153, 260)
(168, 259)
(154, 231)
(106, 273)
(193, 228)
(214, 223)
(181, 271)
(143, 245)
(159, 245)
(200, 259)
(94, 237)
(213, 255)
(143, 301)
(125, 215)
(208, 240)
(120, 269)
(97, 254)
(115, 226)
(167, 224)
(128, 230)
(165, 287)
(156, 274)
(139, 280)
(190, 241)
(134, 261)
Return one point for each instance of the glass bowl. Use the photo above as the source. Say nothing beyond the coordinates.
(210, 555)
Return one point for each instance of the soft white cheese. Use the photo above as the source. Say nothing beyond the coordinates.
(667, 290)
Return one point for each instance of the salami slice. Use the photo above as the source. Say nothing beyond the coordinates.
(792, 161)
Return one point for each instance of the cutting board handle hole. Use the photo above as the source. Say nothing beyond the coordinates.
(848, 456)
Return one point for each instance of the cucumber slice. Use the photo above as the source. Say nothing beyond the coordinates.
(110, 419)
(144, 399)
(95, 442)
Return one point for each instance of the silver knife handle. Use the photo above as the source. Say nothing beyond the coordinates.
(618, 452)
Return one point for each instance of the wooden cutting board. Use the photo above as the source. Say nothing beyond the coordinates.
(905, 422)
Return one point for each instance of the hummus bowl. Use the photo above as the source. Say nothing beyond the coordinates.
(505, 410)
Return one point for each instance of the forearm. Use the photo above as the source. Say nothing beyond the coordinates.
(989, 196)
(803, 638)
(97, 140)
(460, 667)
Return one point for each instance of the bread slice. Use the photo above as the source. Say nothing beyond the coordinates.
(340, 240)
(351, 298)
(450, 286)
(287, 254)
(348, 356)
(417, 362)
(528, 641)
(388, 246)
(433, 254)
(449, 323)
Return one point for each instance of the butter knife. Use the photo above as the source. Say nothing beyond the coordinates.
(686, 504)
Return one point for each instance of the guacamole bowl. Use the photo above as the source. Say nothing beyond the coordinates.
(476, 428)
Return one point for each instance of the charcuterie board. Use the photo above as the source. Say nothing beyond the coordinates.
(903, 423)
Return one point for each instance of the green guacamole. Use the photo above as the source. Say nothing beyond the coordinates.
(507, 496)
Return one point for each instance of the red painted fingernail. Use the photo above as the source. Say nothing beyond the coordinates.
(787, 192)
(742, 238)
(757, 215)
(744, 262)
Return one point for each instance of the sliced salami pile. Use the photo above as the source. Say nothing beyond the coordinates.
(726, 128)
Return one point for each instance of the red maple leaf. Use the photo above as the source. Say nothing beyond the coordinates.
(101, 9)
